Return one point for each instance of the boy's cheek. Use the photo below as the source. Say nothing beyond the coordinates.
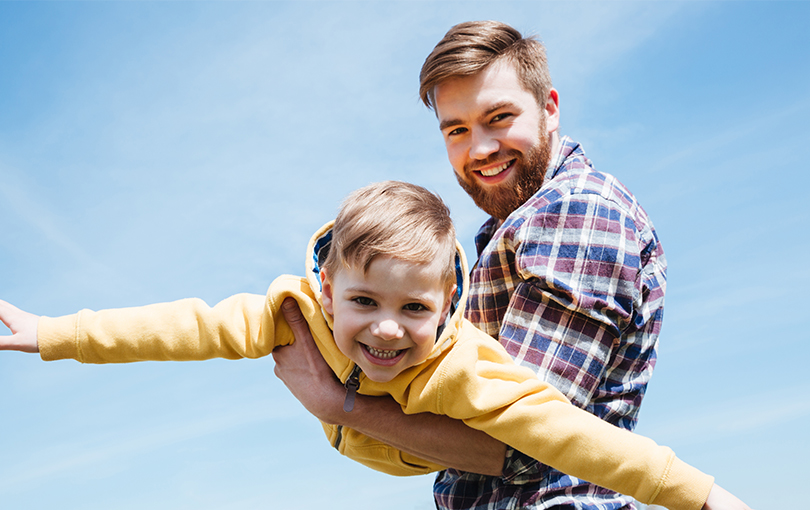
(343, 345)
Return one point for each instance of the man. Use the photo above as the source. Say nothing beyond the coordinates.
(570, 276)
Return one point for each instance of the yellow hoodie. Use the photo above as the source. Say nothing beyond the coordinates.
(468, 376)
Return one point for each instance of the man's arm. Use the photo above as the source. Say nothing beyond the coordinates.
(432, 437)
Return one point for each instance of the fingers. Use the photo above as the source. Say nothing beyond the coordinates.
(294, 317)
(303, 351)
(10, 314)
(6, 312)
(300, 328)
(291, 311)
(23, 326)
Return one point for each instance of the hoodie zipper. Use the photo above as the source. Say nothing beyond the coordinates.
(351, 385)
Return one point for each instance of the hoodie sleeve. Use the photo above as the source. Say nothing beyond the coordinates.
(241, 326)
(183, 330)
(479, 383)
(376, 454)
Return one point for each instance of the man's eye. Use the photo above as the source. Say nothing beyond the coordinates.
(363, 301)
(500, 117)
(457, 131)
(415, 307)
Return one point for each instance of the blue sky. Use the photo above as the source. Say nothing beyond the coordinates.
(155, 151)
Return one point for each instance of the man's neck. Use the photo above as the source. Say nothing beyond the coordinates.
(555, 143)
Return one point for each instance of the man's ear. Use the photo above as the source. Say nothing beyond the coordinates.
(327, 299)
(448, 303)
(552, 110)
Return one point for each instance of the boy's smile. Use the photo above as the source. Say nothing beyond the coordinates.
(386, 319)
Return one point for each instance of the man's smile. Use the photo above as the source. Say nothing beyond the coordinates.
(492, 174)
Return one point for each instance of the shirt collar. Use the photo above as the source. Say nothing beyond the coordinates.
(565, 146)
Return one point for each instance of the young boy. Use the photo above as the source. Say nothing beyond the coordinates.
(384, 298)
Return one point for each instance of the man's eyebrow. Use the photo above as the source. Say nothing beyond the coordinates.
(489, 111)
(447, 123)
(500, 106)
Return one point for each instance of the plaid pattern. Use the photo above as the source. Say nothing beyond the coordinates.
(572, 284)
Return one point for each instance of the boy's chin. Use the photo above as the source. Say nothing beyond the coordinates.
(380, 378)
(378, 375)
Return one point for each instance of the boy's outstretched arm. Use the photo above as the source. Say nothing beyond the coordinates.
(23, 326)
(439, 439)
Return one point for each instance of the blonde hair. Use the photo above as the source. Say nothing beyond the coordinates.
(469, 48)
(394, 219)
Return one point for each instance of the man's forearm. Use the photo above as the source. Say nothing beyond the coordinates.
(436, 438)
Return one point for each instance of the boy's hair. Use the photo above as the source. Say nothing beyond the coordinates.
(394, 219)
(469, 48)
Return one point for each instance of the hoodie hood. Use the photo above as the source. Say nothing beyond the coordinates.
(318, 248)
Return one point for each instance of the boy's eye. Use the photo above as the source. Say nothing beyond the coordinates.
(363, 301)
(457, 131)
(415, 307)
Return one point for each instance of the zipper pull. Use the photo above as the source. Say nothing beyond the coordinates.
(352, 383)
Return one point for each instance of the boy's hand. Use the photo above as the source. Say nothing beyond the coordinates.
(23, 325)
(721, 499)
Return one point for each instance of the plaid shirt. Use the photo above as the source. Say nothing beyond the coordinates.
(572, 284)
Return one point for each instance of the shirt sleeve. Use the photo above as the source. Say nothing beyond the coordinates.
(578, 314)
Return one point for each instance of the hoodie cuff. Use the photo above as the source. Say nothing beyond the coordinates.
(690, 491)
(57, 339)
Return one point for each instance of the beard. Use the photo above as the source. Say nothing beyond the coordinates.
(529, 171)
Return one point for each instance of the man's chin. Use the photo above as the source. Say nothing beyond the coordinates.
(496, 200)
(499, 209)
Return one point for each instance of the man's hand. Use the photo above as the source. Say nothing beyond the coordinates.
(304, 371)
(721, 499)
(23, 326)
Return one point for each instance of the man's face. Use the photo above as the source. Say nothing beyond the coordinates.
(497, 136)
(386, 319)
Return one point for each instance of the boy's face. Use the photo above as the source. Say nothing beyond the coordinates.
(386, 319)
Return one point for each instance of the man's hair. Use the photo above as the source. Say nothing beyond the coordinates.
(394, 219)
(469, 48)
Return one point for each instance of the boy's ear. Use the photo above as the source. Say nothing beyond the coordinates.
(326, 292)
(448, 303)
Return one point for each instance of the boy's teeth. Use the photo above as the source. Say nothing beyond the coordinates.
(495, 171)
(382, 354)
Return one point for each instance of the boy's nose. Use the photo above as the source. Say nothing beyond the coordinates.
(387, 329)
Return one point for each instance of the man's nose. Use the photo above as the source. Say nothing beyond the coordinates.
(387, 329)
(483, 144)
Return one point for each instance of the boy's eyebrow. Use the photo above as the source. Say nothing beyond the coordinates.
(361, 290)
(369, 292)
(489, 111)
